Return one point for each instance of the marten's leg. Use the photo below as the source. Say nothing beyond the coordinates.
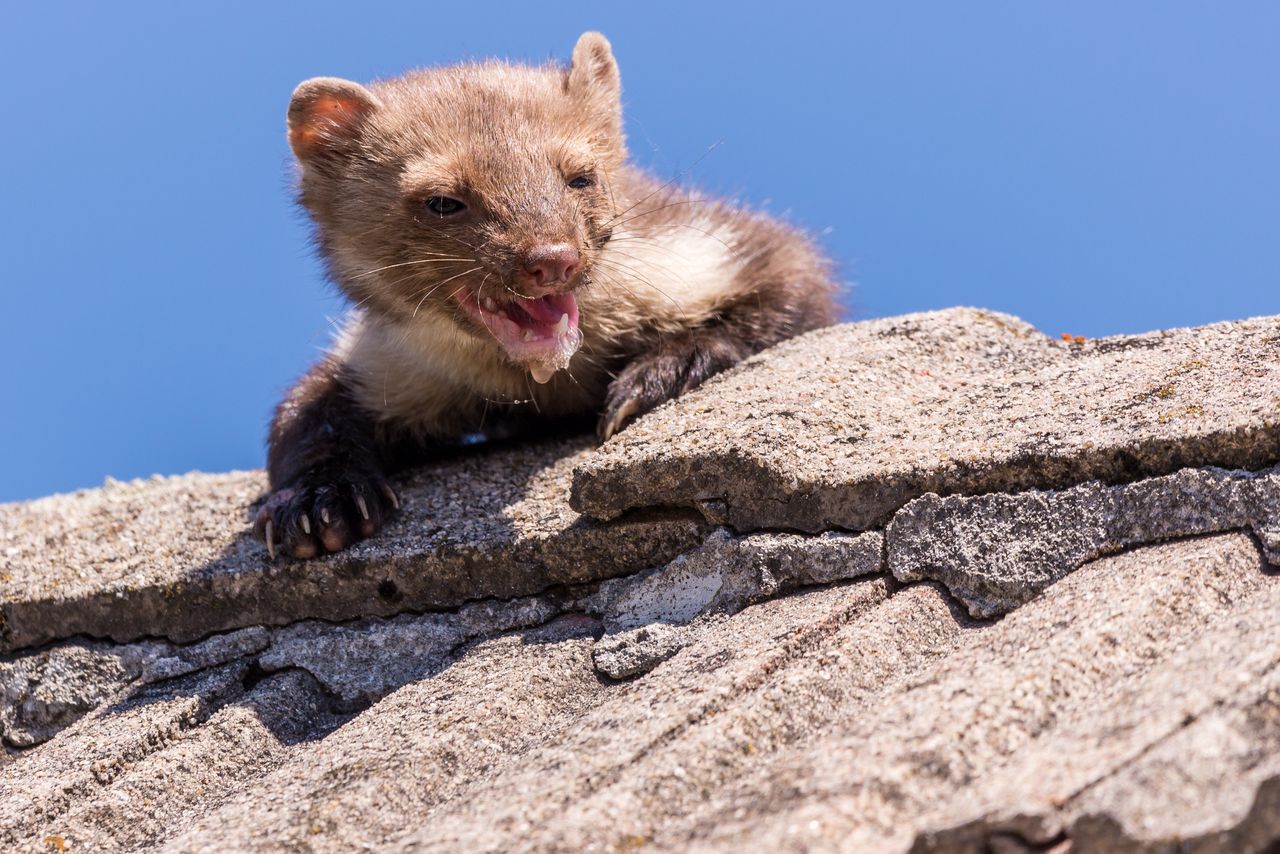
(765, 314)
(326, 468)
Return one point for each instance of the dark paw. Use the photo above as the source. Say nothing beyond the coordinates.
(324, 511)
(673, 369)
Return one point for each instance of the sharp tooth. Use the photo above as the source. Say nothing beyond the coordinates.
(528, 335)
(490, 305)
(563, 326)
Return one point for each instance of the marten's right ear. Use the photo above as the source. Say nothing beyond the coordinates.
(594, 72)
(325, 115)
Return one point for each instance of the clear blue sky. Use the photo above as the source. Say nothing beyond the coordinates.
(1095, 167)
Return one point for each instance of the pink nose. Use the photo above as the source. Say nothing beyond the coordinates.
(551, 264)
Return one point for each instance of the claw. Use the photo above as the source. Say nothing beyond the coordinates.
(270, 536)
(364, 508)
(624, 412)
(391, 496)
(305, 521)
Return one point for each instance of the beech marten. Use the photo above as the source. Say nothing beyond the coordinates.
(506, 265)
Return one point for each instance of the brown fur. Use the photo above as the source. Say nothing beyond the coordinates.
(673, 288)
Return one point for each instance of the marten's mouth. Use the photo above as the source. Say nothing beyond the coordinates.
(541, 334)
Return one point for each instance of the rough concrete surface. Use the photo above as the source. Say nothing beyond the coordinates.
(995, 552)
(647, 616)
(1028, 714)
(173, 557)
(841, 427)
(42, 692)
(501, 674)
(362, 661)
(849, 717)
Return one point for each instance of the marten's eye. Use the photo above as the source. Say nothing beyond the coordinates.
(581, 182)
(445, 206)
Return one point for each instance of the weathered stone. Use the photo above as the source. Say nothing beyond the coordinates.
(522, 711)
(362, 661)
(45, 691)
(173, 557)
(102, 748)
(1023, 717)
(841, 716)
(172, 750)
(1132, 705)
(219, 649)
(995, 552)
(42, 692)
(1178, 753)
(630, 652)
(1237, 741)
(841, 427)
(419, 748)
(646, 615)
(900, 717)
(726, 573)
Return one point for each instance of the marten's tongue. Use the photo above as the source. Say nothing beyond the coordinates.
(541, 333)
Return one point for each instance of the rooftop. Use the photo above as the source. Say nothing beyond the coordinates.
(934, 582)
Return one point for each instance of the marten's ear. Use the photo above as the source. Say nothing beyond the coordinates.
(325, 114)
(594, 73)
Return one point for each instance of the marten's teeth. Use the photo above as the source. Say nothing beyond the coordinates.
(528, 335)
(563, 325)
(490, 305)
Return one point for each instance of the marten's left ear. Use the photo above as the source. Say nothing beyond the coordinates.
(325, 115)
(594, 73)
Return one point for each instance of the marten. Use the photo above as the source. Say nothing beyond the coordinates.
(506, 266)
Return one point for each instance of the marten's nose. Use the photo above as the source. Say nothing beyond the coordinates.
(551, 264)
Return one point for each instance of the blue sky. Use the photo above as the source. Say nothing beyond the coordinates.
(1094, 167)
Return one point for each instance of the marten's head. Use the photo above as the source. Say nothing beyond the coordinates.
(479, 193)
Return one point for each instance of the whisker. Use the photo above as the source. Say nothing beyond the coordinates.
(411, 263)
(533, 398)
(446, 235)
(610, 274)
(624, 270)
(711, 234)
(613, 281)
(633, 217)
(441, 284)
(480, 289)
(662, 267)
(679, 176)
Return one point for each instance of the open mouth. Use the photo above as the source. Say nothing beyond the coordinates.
(542, 334)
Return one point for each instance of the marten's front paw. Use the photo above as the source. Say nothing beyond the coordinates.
(675, 368)
(324, 510)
